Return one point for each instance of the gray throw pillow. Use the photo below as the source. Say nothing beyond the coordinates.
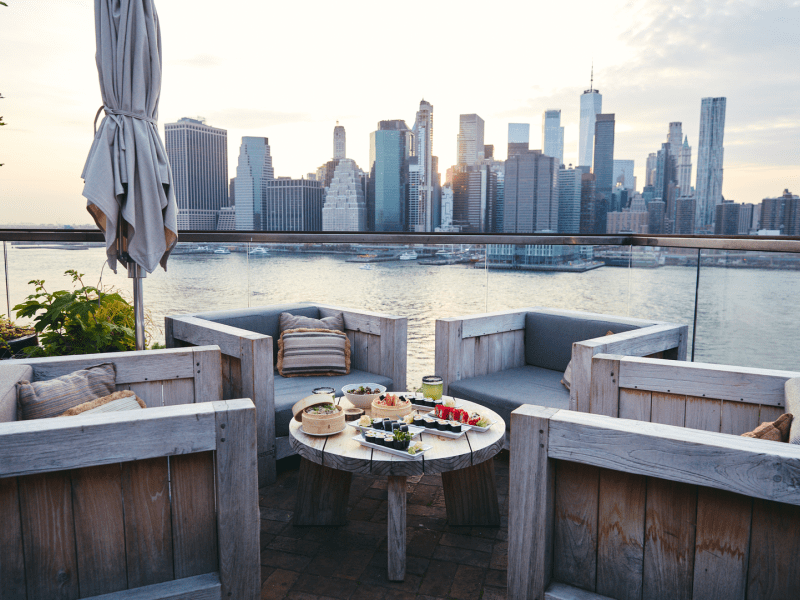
(792, 393)
(305, 352)
(288, 321)
(52, 397)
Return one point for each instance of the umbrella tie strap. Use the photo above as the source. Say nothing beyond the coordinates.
(116, 112)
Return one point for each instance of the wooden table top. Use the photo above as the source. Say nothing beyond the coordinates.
(341, 451)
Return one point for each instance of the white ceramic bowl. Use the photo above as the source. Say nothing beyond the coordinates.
(362, 400)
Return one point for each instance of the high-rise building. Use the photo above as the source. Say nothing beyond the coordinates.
(254, 167)
(519, 133)
(726, 220)
(488, 151)
(655, 216)
(593, 207)
(603, 168)
(470, 139)
(650, 169)
(684, 215)
(292, 205)
(709, 161)
(685, 168)
(447, 208)
(227, 219)
(232, 192)
(781, 214)
(591, 106)
(198, 155)
(623, 175)
(345, 207)
(569, 198)
(746, 224)
(499, 203)
(389, 150)
(339, 142)
(674, 138)
(530, 196)
(421, 208)
(474, 196)
(553, 135)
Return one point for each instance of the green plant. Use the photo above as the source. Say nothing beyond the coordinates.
(9, 331)
(86, 320)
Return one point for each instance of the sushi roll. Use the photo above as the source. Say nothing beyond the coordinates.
(370, 436)
(419, 421)
(406, 444)
(396, 425)
(388, 440)
(455, 426)
(442, 425)
(379, 439)
(430, 422)
(376, 424)
(403, 427)
(429, 402)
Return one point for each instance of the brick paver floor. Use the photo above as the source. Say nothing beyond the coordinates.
(349, 562)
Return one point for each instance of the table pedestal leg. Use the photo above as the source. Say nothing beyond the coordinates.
(397, 528)
(470, 495)
(322, 495)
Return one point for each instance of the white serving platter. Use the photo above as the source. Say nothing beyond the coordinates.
(402, 453)
(447, 434)
(323, 434)
(416, 430)
(471, 427)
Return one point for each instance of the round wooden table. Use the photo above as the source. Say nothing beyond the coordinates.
(470, 490)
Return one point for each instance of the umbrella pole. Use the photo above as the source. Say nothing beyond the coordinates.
(136, 273)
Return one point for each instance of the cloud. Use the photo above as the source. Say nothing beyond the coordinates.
(255, 118)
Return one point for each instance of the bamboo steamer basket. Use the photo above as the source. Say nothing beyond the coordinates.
(392, 412)
(318, 424)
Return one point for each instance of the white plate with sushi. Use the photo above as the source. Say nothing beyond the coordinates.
(364, 429)
(471, 427)
(447, 433)
(403, 453)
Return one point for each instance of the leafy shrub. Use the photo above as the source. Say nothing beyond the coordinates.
(9, 331)
(86, 320)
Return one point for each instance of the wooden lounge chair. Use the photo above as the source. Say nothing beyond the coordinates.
(655, 494)
(155, 503)
(249, 342)
(509, 358)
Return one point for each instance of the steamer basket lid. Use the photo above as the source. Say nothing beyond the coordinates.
(308, 402)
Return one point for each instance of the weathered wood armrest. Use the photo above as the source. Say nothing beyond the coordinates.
(636, 342)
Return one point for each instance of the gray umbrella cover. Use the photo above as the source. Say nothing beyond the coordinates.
(127, 178)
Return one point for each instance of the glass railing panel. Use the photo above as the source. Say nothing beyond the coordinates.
(748, 309)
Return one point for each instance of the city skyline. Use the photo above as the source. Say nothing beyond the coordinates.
(51, 96)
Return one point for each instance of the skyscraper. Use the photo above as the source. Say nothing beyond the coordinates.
(569, 199)
(685, 168)
(292, 205)
(709, 161)
(623, 175)
(593, 207)
(198, 154)
(254, 167)
(675, 138)
(603, 167)
(470, 139)
(519, 133)
(650, 169)
(345, 207)
(553, 135)
(474, 197)
(530, 198)
(421, 207)
(591, 106)
(389, 149)
(726, 220)
(339, 142)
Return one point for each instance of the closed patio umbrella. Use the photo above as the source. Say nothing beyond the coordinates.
(127, 177)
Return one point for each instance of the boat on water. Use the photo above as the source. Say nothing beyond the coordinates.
(409, 255)
(222, 251)
(366, 267)
(258, 251)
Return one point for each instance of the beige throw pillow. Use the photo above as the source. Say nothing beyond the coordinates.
(792, 391)
(116, 402)
(566, 380)
(304, 352)
(777, 431)
(52, 397)
(288, 321)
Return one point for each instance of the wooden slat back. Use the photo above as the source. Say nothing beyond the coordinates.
(632, 536)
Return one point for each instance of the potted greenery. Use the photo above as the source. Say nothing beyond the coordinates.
(14, 338)
(86, 320)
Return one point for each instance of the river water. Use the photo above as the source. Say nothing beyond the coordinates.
(745, 316)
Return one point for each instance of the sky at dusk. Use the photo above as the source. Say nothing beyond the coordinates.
(290, 70)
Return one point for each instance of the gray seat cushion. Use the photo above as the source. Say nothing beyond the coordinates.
(506, 390)
(549, 338)
(288, 390)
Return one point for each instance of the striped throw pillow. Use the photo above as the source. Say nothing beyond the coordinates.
(116, 402)
(52, 397)
(304, 352)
